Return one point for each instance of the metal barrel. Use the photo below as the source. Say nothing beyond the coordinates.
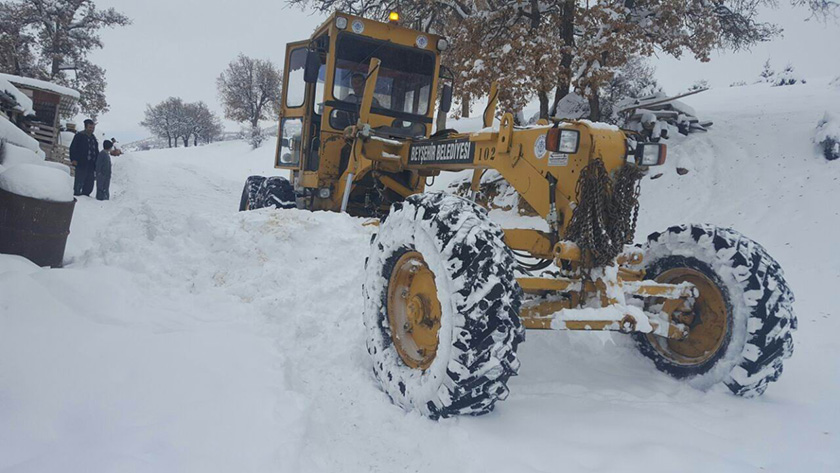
(35, 229)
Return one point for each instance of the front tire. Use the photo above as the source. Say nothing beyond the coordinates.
(453, 348)
(741, 325)
(249, 193)
(277, 192)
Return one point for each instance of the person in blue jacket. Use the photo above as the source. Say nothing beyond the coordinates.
(103, 171)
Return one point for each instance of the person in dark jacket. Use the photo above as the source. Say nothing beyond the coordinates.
(103, 171)
(83, 152)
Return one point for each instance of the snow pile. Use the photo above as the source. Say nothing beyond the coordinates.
(24, 102)
(827, 136)
(572, 106)
(65, 138)
(25, 173)
(787, 77)
(12, 134)
(657, 116)
(61, 167)
(11, 155)
(37, 182)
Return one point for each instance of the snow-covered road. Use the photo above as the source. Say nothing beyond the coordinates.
(186, 336)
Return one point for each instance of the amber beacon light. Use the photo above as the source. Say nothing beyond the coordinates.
(394, 17)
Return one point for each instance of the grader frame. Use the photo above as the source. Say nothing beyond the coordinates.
(527, 157)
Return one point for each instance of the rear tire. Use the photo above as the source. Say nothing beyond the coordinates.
(277, 192)
(479, 298)
(753, 289)
(249, 193)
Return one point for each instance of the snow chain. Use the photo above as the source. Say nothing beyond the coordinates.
(605, 217)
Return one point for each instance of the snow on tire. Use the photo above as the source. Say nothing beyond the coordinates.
(752, 286)
(479, 327)
(277, 192)
(248, 201)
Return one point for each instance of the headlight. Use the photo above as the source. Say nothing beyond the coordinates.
(650, 154)
(562, 140)
(340, 22)
(442, 44)
(324, 192)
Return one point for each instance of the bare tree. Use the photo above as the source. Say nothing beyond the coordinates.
(175, 120)
(202, 122)
(250, 91)
(154, 121)
(49, 39)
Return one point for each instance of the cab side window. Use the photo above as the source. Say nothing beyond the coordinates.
(296, 87)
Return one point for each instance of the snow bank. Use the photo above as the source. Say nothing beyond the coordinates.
(40, 84)
(12, 134)
(38, 182)
(24, 102)
(572, 106)
(65, 138)
(16, 264)
(828, 136)
(61, 167)
(788, 76)
(11, 155)
(828, 127)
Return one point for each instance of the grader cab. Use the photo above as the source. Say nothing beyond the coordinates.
(448, 293)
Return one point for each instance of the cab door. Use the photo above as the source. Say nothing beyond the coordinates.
(293, 113)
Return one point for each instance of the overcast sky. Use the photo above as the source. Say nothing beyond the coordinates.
(179, 47)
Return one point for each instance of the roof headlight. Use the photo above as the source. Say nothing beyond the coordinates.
(340, 22)
(442, 44)
(562, 140)
(650, 154)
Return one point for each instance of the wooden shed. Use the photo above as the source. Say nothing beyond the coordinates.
(50, 102)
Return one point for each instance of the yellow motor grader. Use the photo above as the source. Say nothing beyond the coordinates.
(448, 293)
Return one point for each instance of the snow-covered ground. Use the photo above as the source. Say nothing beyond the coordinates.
(183, 335)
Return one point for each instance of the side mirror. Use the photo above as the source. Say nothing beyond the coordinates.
(312, 67)
(446, 98)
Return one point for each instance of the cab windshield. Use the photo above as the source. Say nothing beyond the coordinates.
(405, 74)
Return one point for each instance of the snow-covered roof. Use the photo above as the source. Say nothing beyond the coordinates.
(41, 84)
(24, 102)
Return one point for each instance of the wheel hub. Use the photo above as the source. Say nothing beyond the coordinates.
(414, 311)
(708, 320)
